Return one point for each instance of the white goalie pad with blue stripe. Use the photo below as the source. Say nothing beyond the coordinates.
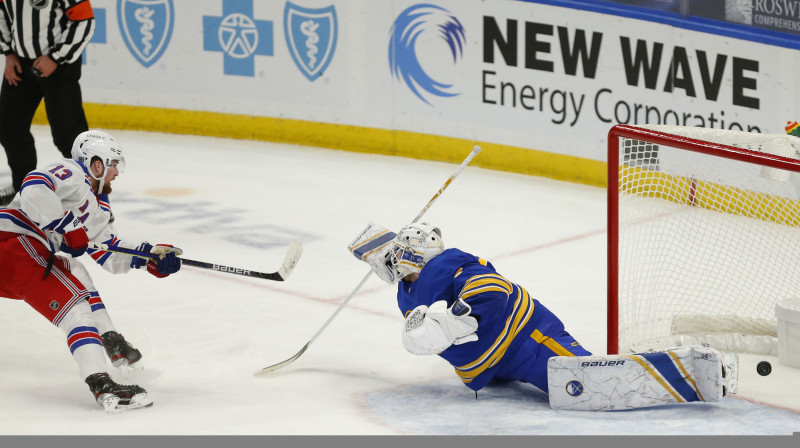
(617, 382)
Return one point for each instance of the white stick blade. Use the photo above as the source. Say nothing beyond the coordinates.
(281, 364)
(292, 257)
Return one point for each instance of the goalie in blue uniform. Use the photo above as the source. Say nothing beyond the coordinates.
(488, 328)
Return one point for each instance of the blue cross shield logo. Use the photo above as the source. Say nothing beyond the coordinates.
(311, 36)
(239, 36)
(146, 27)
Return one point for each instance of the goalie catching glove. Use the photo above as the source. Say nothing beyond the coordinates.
(431, 330)
(372, 246)
(166, 263)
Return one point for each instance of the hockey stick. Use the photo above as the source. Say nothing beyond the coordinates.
(289, 262)
(285, 363)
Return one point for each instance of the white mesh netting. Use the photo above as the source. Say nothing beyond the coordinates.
(707, 245)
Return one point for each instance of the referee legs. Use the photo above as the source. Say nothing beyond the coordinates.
(17, 106)
(64, 105)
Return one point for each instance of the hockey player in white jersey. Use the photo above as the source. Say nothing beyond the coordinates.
(58, 210)
(457, 306)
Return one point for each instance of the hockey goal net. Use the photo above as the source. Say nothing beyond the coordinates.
(703, 237)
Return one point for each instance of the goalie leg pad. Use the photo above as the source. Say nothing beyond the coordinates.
(618, 382)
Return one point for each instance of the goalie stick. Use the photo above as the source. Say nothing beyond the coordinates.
(289, 262)
(285, 363)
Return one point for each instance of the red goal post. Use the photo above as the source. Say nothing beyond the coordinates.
(703, 236)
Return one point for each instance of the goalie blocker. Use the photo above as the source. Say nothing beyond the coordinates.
(617, 382)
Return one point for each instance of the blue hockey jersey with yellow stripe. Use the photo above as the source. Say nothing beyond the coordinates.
(506, 313)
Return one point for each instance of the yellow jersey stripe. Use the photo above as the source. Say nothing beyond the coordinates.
(514, 324)
(491, 349)
(548, 342)
(484, 278)
(474, 292)
(474, 284)
(511, 322)
(658, 378)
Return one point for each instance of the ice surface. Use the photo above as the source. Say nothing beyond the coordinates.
(203, 334)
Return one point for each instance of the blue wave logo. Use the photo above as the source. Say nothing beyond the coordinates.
(413, 23)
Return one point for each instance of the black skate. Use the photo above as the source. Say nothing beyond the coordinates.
(115, 397)
(120, 351)
(6, 195)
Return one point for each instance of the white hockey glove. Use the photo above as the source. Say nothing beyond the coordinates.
(431, 330)
(372, 246)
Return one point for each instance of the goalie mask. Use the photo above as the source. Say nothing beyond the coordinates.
(414, 246)
(91, 144)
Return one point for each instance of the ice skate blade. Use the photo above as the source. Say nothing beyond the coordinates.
(111, 403)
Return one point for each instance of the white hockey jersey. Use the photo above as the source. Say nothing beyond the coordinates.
(50, 193)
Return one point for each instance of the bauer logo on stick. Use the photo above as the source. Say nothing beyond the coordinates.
(219, 267)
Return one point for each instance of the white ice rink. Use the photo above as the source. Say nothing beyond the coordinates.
(203, 334)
